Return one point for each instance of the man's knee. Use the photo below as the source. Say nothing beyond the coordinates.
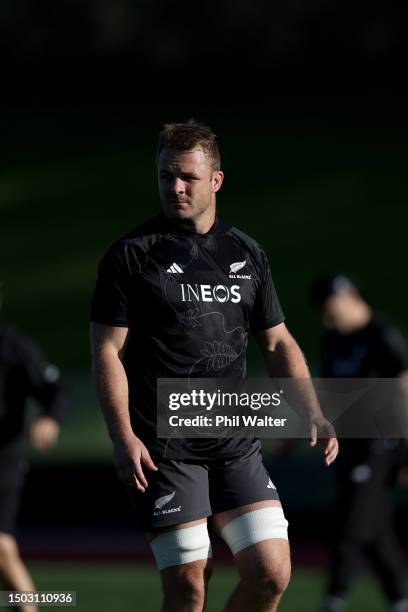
(276, 581)
(265, 570)
(184, 558)
(266, 584)
(258, 540)
(187, 583)
(8, 549)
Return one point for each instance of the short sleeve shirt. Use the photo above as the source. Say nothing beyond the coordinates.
(189, 301)
(379, 350)
(25, 372)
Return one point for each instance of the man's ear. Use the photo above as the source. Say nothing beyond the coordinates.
(217, 180)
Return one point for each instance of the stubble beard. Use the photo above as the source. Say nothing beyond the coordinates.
(190, 214)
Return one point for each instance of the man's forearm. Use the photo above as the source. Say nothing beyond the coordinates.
(286, 360)
(113, 394)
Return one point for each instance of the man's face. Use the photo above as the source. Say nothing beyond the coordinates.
(187, 183)
(338, 311)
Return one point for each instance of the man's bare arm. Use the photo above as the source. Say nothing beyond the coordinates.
(284, 359)
(108, 345)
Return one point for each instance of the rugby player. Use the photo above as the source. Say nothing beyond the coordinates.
(176, 298)
(358, 343)
(25, 373)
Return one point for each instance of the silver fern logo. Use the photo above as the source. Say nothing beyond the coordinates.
(238, 265)
(162, 501)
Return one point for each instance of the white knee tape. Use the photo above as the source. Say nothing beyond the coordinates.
(255, 526)
(180, 546)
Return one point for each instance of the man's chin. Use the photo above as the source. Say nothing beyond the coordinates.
(178, 214)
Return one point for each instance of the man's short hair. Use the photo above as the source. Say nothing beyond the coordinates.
(188, 136)
(330, 284)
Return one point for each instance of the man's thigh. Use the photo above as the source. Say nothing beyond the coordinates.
(173, 512)
(256, 534)
(182, 553)
(240, 482)
(177, 494)
(187, 566)
(248, 515)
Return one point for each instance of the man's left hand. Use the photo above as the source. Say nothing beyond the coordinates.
(44, 433)
(321, 429)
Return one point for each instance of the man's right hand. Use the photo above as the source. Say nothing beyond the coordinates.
(128, 456)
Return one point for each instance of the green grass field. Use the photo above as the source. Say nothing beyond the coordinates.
(321, 191)
(127, 588)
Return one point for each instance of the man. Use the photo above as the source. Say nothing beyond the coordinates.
(24, 373)
(359, 344)
(165, 305)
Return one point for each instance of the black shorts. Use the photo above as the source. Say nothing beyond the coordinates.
(183, 491)
(10, 495)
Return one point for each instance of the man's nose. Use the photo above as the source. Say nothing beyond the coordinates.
(177, 185)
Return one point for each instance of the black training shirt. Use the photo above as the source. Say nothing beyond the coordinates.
(25, 372)
(378, 350)
(189, 300)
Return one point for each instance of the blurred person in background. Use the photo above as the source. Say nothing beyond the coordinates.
(25, 373)
(358, 343)
(165, 306)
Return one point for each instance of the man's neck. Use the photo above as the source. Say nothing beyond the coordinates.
(201, 225)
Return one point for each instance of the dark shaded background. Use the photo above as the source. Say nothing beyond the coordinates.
(168, 50)
(307, 99)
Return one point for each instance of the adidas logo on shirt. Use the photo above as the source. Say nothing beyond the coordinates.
(270, 485)
(175, 269)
